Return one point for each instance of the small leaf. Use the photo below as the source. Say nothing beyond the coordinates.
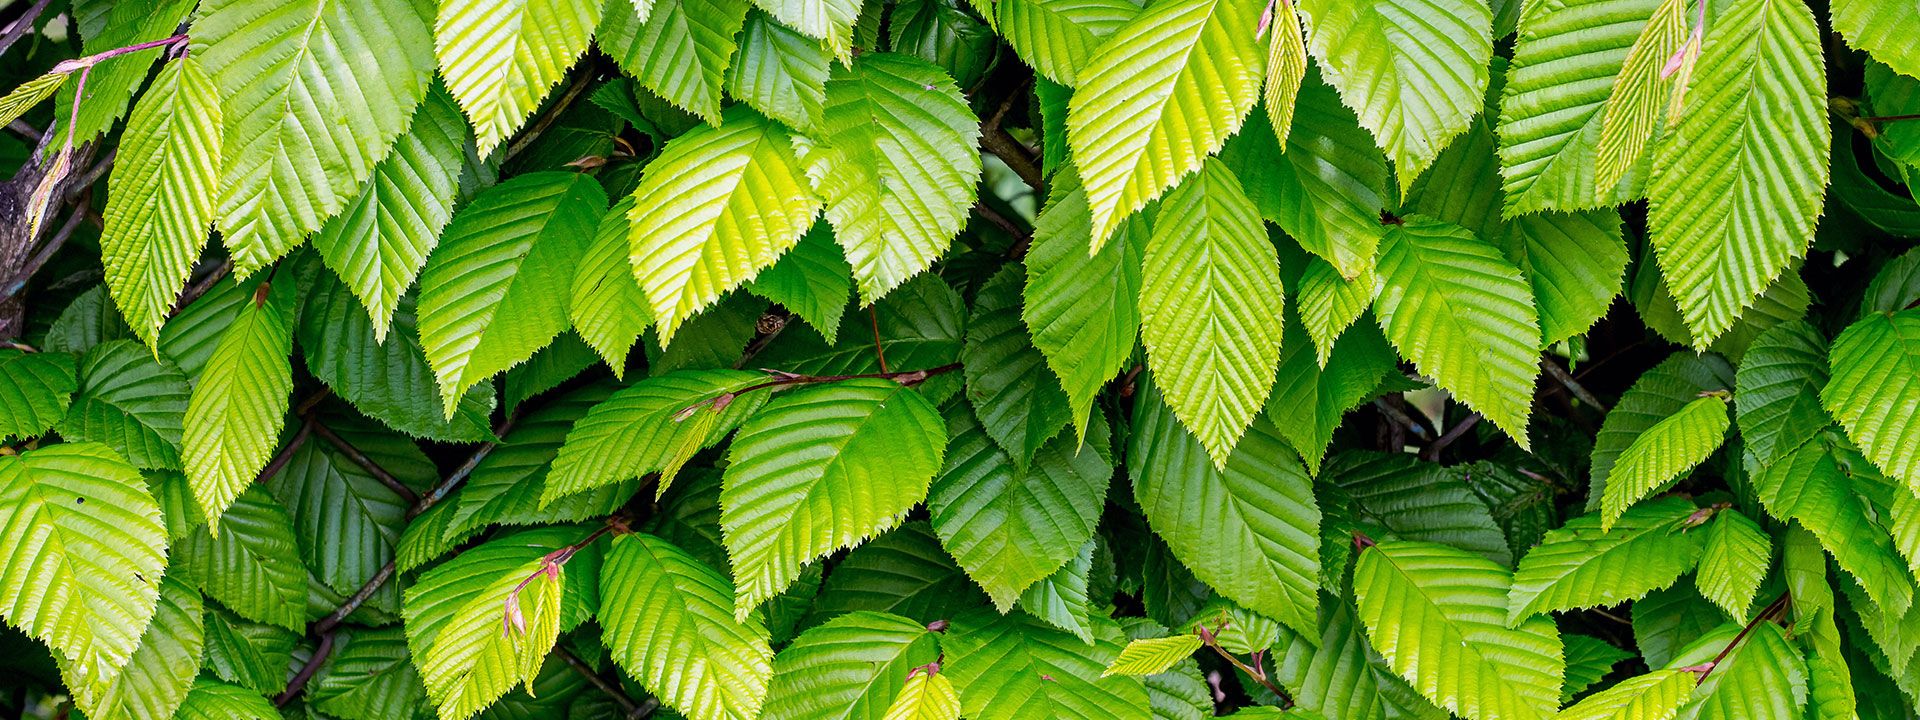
(500, 59)
(1662, 452)
(233, 419)
(1576, 567)
(1734, 563)
(1153, 656)
(925, 696)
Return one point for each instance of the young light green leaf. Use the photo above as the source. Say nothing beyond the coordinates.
(215, 700)
(1210, 300)
(160, 196)
(1734, 562)
(608, 308)
(481, 623)
(1152, 656)
(1286, 68)
(647, 428)
(1759, 99)
(1875, 391)
(681, 49)
(499, 59)
(668, 621)
(813, 280)
(780, 72)
(1059, 37)
(1575, 263)
(29, 94)
(233, 419)
(821, 469)
(1875, 27)
(156, 680)
(1637, 102)
(1082, 308)
(1657, 695)
(848, 668)
(1583, 564)
(894, 157)
(1204, 66)
(496, 290)
(1662, 453)
(828, 20)
(1328, 304)
(1820, 485)
(925, 696)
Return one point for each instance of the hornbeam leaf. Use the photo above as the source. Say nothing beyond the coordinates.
(1202, 66)
(1821, 484)
(1438, 616)
(21, 99)
(681, 49)
(1059, 37)
(499, 59)
(813, 281)
(780, 72)
(337, 337)
(848, 668)
(1876, 27)
(1152, 656)
(233, 419)
(1655, 396)
(1210, 301)
(1414, 70)
(157, 679)
(828, 20)
(215, 700)
(315, 92)
(1081, 308)
(646, 428)
(895, 158)
(1577, 567)
(668, 622)
(130, 401)
(1662, 452)
(1737, 184)
(38, 390)
(1309, 402)
(821, 469)
(160, 196)
(608, 308)
(925, 696)
(1286, 68)
(1657, 695)
(1464, 315)
(718, 206)
(496, 290)
(371, 677)
(1014, 667)
(1875, 391)
(1637, 103)
(1734, 562)
(253, 568)
(1018, 402)
(89, 549)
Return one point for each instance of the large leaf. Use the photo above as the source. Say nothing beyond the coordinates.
(646, 428)
(1249, 529)
(1082, 308)
(233, 419)
(341, 345)
(497, 288)
(89, 548)
(130, 401)
(849, 668)
(679, 49)
(668, 620)
(1200, 68)
(37, 389)
(1464, 315)
(718, 206)
(253, 567)
(507, 485)
(1737, 184)
(905, 572)
(1552, 109)
(1013, 667)
(1662, 452)
(160, 196)
(1574, 262)
(1875, 391)
(822, 469)
(895, 158)
(1823, 485)
(1011, 524)
(1414, 70)
(812, 281)
(347, 522)
(1016, 399)
(1875, 27)
(157, 678)
(370, 677)
(1392, 493)
(1438, 615)
(1059, 37)
(1583, 565)
(1654, 696)
(378, 243)
(315, 91)
(1209, 299)
(499, 59)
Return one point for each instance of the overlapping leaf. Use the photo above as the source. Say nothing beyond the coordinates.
(669, 622)
(1584, 565)
(1875, 390)
(646, 428)
(37, 389)
(680, 49)
(234, 416)
(1662, 452)
(499, 59)
(849, 668)
(1081, 307)
(1011, 667)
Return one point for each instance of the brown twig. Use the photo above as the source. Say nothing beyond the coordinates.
(1211, 640)
(20, 25)
(201, 288)
(299, 681)
(552, 115)
(629, 709)
(46, 251)
(1890, 118)
(1573, 386)
(285, 455)
(784, 379)
(1779, 605)
(365, 463)
(1459, 429)
(879, 348)
(995, 140)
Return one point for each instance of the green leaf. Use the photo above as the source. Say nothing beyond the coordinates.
(1009, 524)
(668, 621)
(506, 486)
(645, 428)
(97, 550)
(291, 158)
(158, 676)
(813, 280)
(1328, 304)
(1764, 677)
(1012, 666)
(1897, 285)
(1875, 27)
(233, 419)
(607, 307)
(1060, 599)
(112, 82)
(1735, 561)
(1464, 315)
(1759, 100)
(1325, 184)
(849, 668)
(1438, 615)
(1820, 485)
(215, 700)
(29, 94)
(1551, 112)
(130, 401)
(379, 242)
(681, 49)
(1661, 453)
(1638, 101)
(499, 59)
(248, 654)
(1209, 298)
(820, 469)
(894, 157)
(1589, 660)
(905, 572)
(1060, 37)
(1081, 308)
(1657, 695)
(1583, 564)
(1575, 263)
(1875, 386)
(346, 521)
(1250, 529)
(1152, 656)
(37, 389)
(160, 196)
(370, 676)
(476, 631)
(925, 696)
(780, 72)
(1413, 501)
(1204, 67)
(381, 380)
(1016, 399)
(1381, 54)
(717, 207)
(1658, 394)
(1665, 621)
(253, 566)
(1309, 401)
(1340, 677)
(497, 288)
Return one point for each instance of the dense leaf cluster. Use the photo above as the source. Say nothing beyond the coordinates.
(926, 359)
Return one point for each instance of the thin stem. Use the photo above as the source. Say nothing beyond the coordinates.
(1778, 606)
(1573, 386)
(366, 463)
(879, 348)
(359, 597)
(1211, 640)
(299, 681)
(198, 289)
(1459, 429)
(46, 252)
(908, 378)
(81, 63)
(628, 708)
(1891, 118)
